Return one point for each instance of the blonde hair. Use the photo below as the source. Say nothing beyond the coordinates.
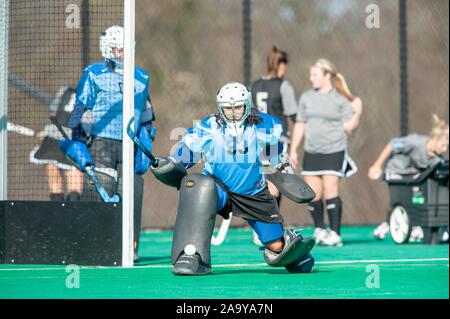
(341, 85)
(440, 127)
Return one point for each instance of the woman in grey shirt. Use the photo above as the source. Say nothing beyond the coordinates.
(326, 115)
(406, 156)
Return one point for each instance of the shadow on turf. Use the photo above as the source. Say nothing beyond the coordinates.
(376, 241)
(144, 261)
(277, 271)
(359, 241)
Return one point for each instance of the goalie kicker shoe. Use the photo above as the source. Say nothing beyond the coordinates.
(191, 265)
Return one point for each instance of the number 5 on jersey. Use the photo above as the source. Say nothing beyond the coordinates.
(261, 101)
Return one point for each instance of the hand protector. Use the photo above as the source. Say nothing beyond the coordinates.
(169, 171)
(77, 152)
(141, 161)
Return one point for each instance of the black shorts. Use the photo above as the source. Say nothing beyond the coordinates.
(339, 164)
(105, 152)
(259, 207)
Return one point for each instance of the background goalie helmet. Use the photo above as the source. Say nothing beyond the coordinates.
(110, 39)
(233, 95)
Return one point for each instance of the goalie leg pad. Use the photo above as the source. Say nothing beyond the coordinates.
(138, 197)
(295, 248)
(195, 217)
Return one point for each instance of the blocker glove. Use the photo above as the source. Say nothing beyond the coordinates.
(77, 152)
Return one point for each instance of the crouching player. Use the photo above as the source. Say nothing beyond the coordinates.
(231, 143)
(405, 157)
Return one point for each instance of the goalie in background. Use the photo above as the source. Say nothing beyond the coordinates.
(97, 120)
(62, 176)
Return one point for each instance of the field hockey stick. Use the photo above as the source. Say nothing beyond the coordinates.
(46, 99)
(99, 187)
(89, 171)
(154, 161)
(27, 87)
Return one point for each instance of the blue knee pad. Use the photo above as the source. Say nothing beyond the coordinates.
(267, 233)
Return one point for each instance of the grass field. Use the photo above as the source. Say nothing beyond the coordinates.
(404, 271)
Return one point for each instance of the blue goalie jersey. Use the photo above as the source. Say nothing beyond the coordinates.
(100, 92)
(235, 159)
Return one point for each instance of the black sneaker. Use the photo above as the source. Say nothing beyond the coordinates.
(191, 266)
(73, 197)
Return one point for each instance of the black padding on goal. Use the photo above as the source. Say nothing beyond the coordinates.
(43, 232)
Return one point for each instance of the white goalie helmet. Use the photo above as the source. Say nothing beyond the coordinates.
(111, 39)
(233, 95)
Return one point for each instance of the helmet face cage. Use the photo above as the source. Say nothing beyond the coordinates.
(231, 117)
(234, 94)
(111, 39)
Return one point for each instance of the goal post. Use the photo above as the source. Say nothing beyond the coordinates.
(4, 21)
(127, 146)
(32, 75)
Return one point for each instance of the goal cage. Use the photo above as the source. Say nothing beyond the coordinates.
(45, 50)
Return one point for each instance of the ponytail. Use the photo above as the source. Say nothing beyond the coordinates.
(341, 85)
(440, 127)
(275, 58)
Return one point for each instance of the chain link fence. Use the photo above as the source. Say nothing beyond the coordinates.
(50, 43)
(192, 48)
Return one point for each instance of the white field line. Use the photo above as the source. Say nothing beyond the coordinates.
(249, 265)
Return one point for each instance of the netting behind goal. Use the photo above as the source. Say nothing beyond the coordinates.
(50, 44)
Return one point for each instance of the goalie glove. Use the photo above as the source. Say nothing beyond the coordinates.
(169, 171)
(141, 161)
(78, 153)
